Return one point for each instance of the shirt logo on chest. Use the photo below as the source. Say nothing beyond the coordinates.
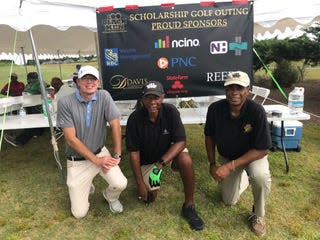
(247, 128)
(165, 132)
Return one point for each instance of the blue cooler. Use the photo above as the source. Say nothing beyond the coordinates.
(292, 134)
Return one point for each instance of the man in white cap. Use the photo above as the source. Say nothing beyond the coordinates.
(155, 138)
(83, 117)
(238, 127)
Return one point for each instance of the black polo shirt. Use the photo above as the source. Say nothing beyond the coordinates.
(154, 139)
(234, 136)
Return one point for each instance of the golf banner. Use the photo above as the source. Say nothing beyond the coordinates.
(189, 48)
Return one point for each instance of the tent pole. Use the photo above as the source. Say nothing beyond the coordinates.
(24, 60)
(97, 50)
(44, 96)
(59, 62)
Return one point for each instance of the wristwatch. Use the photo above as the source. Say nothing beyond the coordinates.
(117, 155)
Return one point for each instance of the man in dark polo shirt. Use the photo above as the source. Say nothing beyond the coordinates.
(155, 138)
(238, 127)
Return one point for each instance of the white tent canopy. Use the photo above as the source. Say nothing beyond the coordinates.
(77, 21)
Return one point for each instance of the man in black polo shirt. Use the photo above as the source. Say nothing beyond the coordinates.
(155, 138)
(238, 127)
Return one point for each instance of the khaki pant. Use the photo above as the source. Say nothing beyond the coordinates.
(146, 170)
(79, 179)
(258, 174)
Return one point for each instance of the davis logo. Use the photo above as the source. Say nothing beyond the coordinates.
(222, 47)
(111, 57)
(166, 43)
(119, 82)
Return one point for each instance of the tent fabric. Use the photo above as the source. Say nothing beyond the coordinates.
(49, 40)
(76, 20)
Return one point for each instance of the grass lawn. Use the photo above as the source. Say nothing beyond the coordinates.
(48, 71)
(34, 204)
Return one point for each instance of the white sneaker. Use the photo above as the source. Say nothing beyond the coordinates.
(258, 225)
(115, 206)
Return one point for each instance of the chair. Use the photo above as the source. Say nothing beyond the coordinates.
(58, 133)
(261, 92)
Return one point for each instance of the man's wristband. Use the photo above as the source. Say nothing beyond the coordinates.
(233, 166)
(117, 155)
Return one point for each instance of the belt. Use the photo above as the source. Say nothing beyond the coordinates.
(72, 158)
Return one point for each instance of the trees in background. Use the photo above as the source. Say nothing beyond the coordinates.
(282, 52)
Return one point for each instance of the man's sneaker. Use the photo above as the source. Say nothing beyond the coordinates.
(92, 189)
(190, 214)
(11, 139)
(115, 206)
(258, 225)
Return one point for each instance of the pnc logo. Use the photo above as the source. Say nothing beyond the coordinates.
(183, 62)
(176, 62)
(162, 63)
(166, 43)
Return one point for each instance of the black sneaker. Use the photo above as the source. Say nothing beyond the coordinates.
(11, 139)
(190, 214)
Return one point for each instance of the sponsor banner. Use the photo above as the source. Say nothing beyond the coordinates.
(189, 48)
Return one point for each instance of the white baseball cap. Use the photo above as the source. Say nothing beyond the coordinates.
(85, 70)
(239, 78)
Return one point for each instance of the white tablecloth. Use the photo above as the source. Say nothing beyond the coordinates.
(285, 113)
(188, 115)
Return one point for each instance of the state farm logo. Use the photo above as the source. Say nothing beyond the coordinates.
(162, 63)
(177, 84)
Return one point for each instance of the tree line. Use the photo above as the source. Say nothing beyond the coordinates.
(305, 49)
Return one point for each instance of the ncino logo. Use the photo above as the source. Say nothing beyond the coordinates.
(167, 43)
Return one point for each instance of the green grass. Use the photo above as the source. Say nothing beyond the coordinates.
(35, 205)
(311, 73)
(48, 71)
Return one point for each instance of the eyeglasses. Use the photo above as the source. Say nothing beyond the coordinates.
(88, 79)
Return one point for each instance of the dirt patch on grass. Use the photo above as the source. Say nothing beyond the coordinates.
(311, 96)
